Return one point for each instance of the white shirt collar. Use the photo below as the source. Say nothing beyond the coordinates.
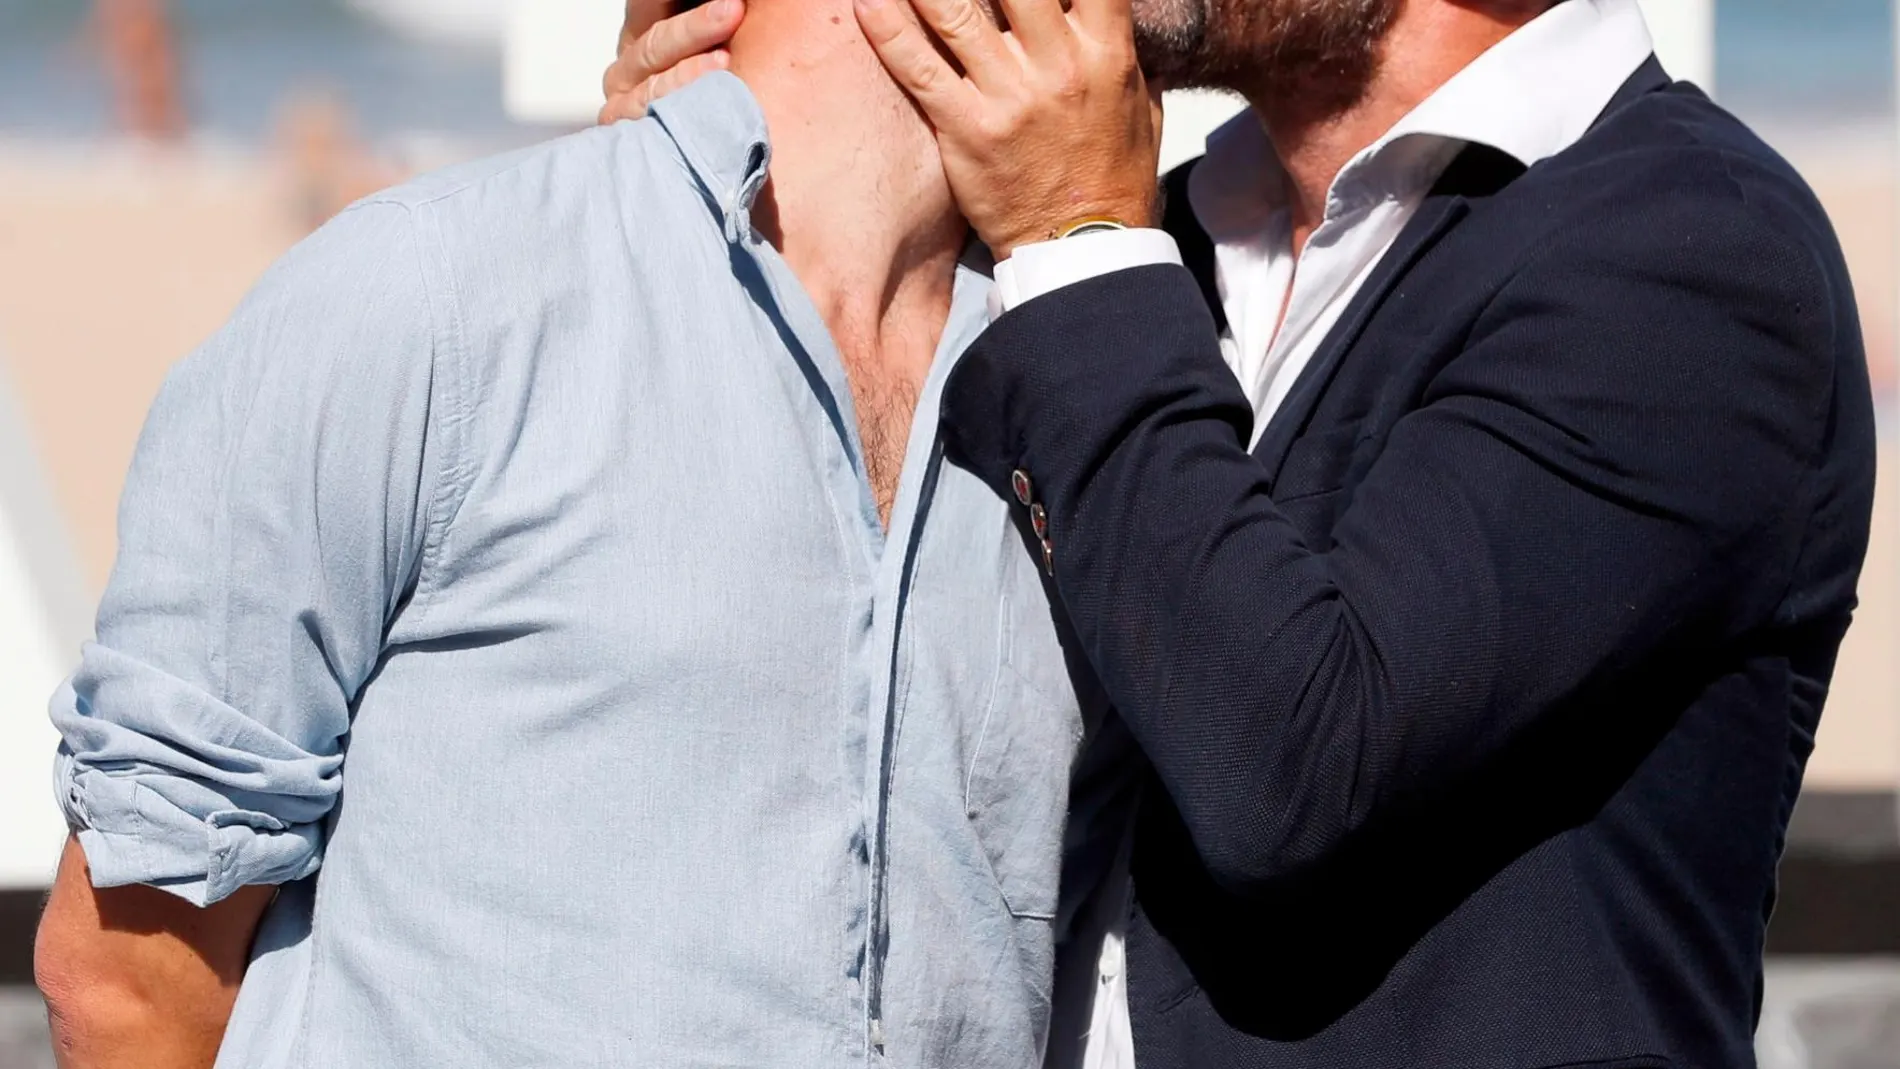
(1531, 96)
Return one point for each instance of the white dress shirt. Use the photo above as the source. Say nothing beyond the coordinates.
(1531, 96)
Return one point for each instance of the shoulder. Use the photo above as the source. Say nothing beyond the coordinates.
(1673, 172)
(487, 238)
(625, 161)
(509, 235)
(1672, 251)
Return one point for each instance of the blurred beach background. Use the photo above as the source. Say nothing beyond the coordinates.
(149, 172)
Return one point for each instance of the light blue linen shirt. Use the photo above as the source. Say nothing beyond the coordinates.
(503, 580)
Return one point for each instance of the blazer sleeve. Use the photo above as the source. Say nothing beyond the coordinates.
(1613, 469)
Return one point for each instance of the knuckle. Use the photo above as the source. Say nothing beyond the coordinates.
(646, 60)
(619, 76)
(1000, 126)
(960, 19)
(657, 50)
(927, 78)
(1066, 76)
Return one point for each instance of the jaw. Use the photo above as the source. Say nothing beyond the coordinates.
(1322, 52)
(1171, 40)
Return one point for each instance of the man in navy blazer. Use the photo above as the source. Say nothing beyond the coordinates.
(1466, 532)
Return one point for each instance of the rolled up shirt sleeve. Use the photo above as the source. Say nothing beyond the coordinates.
(276, 515)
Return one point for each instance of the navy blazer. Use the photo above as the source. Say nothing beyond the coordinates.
(1478, 695)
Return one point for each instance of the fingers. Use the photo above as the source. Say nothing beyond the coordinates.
(966, 30)
(1105, 20)
(916, 65)
(1040, 25)
(634, 103)
(669, 43)
(689, 71)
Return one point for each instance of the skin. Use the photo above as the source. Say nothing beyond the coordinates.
(658, 54)
(1326, 77)
(1076, 96)
(858, 205)
(135, 978)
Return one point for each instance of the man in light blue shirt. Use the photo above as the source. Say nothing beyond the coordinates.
(543, 582)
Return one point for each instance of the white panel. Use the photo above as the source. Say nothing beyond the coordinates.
(1685, 38)
(474, 22)
(554, 55)
(32, 829)
(1191, 116)
(43, 609)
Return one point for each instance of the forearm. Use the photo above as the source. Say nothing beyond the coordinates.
(1477, 587)
(1213, 628)
(135, 978)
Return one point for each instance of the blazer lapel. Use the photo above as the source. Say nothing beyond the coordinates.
(1197, 248)
(1478, 171)
(1648, 79)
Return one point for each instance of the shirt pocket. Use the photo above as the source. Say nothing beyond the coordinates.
(1017, 791)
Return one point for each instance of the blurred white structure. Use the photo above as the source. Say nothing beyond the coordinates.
(1685, 38)
(43, 612)
(555, 53)
(1191, 116)
(473, 22)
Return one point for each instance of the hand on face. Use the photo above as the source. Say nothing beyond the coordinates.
(659, 55)
(1047, 125)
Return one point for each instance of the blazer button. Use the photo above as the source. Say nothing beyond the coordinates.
(1048, 557)
(1039, 520)
(1019, 481)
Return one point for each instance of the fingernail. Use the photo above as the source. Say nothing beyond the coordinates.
(727, 9)
(869, 5)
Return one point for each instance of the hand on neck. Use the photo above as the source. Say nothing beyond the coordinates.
(857, 202)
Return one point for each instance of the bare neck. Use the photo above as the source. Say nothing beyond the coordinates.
(858, 205)
(857, 201)
(1428, 43)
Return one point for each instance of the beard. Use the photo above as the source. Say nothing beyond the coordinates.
(1321, 52)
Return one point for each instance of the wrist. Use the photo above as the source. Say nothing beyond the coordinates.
(1126, 215)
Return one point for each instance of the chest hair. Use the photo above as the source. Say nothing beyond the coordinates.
(885, 394)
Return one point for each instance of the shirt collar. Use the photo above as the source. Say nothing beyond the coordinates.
(1531, 96)
(720, 131)
(1538, 91)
